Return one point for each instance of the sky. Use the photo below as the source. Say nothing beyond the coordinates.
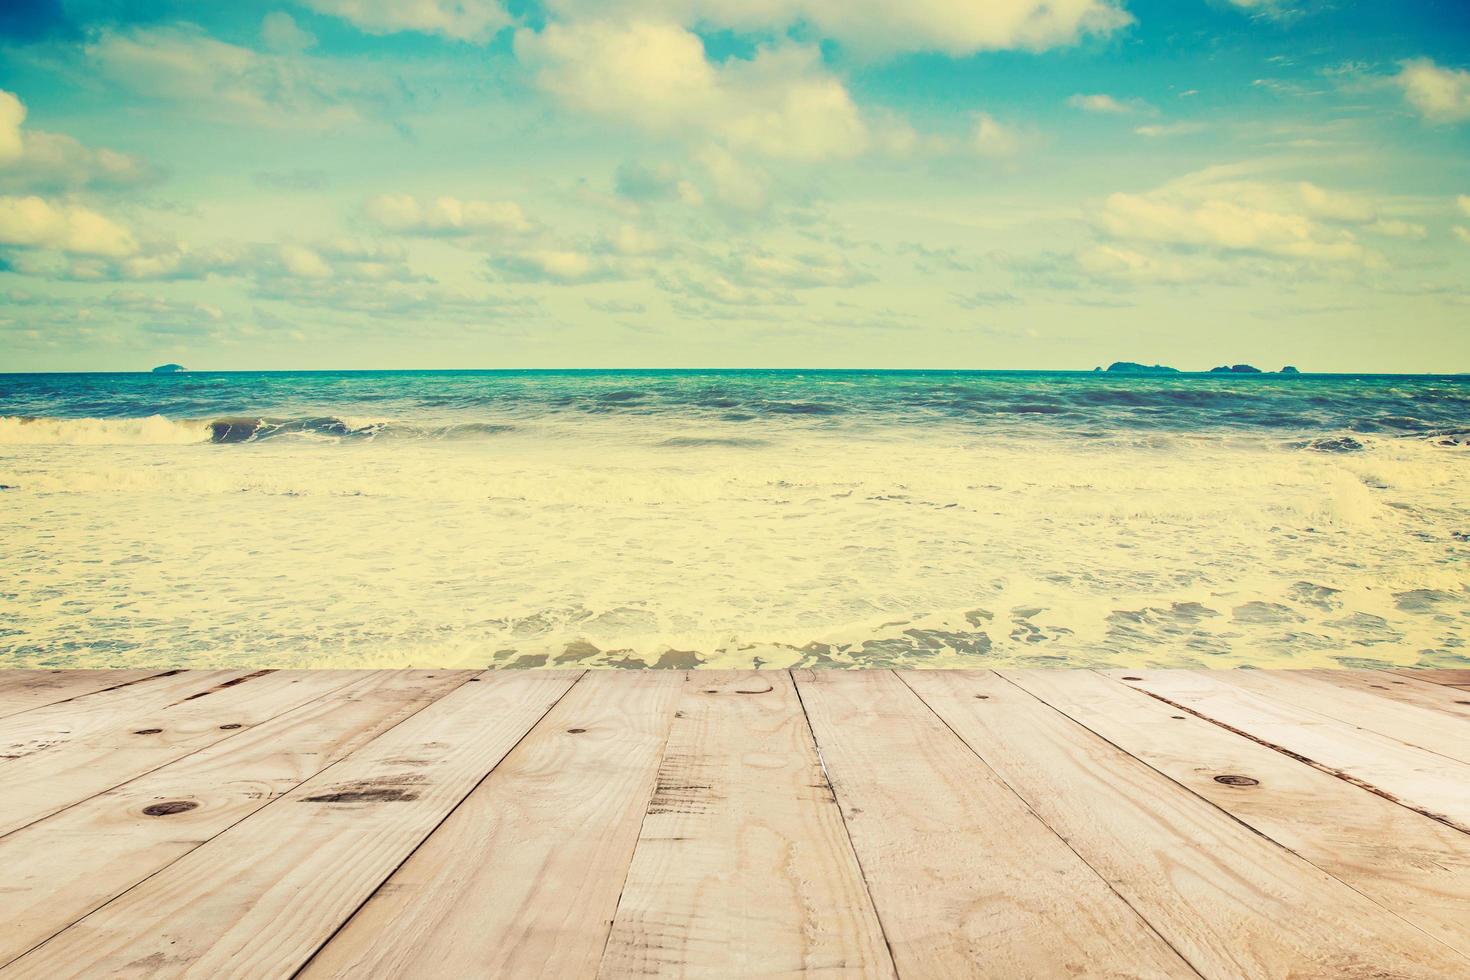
(734, 183)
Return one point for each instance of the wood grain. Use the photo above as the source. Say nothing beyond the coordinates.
(743, 866)
(547, 823)
(23, 690)
(1454, 677)
(1233, 903)
(1401, 688)
(64, 753)
(63, 867)
(523, 879)
(1417, 868)
(1425, 728)
(1423, 781)
(967, 881)
(259, 899)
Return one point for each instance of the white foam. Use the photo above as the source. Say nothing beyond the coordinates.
(154, 430)
(876, 547)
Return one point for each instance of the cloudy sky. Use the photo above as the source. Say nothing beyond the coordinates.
(818, 183)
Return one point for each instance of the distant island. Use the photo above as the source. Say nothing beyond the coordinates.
(1133, 367)
(169, 369)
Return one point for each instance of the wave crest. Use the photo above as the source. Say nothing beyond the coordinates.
(155, 430)
(158, 430)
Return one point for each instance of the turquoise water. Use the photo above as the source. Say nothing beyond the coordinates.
(453, 403)
(733, 519)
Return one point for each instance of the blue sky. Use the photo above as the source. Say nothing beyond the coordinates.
(999, 184)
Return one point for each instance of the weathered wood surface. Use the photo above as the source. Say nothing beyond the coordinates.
(88, 854)
(965, 877)
(22, 690)
(845, 824)
(743, 866)
(58, 755)
(538, 852)
(1449, 678)
(1421, 779)
(1418, 868)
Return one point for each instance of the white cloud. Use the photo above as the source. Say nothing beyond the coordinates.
(734, 184)
(1462, 233)
(881, 27)
(631, 240)
(12, 114)
(557, 265)
(328, 261)
(1220, 212)
(184, 65)
(716, 287)
(475, 21)
(31, 160)
(1273, 9)
(1463, 203)
(301, 262)
(447, 216)
(809, 270)
(1439, 94)
(1100, 102)
(1335, 205)
(1226, 225)
(994, 139)
(280, 32)
(780, 103)
(1114, 262)
(1397, 228)
(1157, 130)
(34, 222)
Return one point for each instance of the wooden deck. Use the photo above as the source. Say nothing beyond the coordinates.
(565, 824)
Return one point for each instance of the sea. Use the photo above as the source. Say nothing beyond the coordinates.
(685, 519)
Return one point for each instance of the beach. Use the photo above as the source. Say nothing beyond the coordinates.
(733, 520)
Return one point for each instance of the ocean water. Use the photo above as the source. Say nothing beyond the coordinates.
(733, 519)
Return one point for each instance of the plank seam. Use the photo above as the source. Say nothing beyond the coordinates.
(1327, 686)
(1050, 829)
(642, 820)
(1428, 680)
(187, 755)
(87, 694)
(1413, 684)
(435, 829)
(1322, 767)
(846, 830)
(222, 830)
(1243, 823)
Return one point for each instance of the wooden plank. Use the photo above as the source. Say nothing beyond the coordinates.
(743, 866)
(61, 868)
(1434, 731)
(522, 880)
(966, 879)
(64, 762)
(1405, 690)
(23, 690)
(1448, 678)
(45, 727)
(260, 898)
(1231, 902)
(1418, 868)
(1423, 781)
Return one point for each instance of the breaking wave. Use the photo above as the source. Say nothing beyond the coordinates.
(156, 430)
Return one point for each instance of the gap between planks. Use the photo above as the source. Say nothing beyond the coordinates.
(647, 874)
